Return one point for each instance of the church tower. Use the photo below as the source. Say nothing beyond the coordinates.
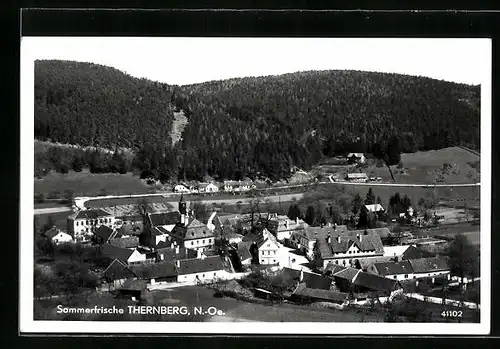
(183, 210)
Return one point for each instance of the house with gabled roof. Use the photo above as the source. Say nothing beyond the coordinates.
(375, 208)
(413, 252)
(117, 273)
(356, 158)
(284, 228)
(393, 270)
(306, 238)
(194, 235)
(56, 236)
(269, 248)
(366, 284)
(430, 267)
(346, 247)
(208, 188)
(125, 255)
(202, 270)
(103, 234)
(82, 224)
(155, 273)
(304, 294)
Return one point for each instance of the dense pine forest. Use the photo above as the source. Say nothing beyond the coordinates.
(247, 127)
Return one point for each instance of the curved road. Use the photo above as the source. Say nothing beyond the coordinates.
(80, 202)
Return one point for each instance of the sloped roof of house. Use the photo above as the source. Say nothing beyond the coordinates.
(117, 270)
(376, 283)
(169, 253)
(134, 285)
(192, 266)
(194, 230)
(374, 208)
(413, 252)
(244, 250)
(231, 183)
(90, 214)
(311, 280)
(393, 268)
(128, 242)
(265, 236)
(320, 294)
(369, 242)
(314, 233)
(166, 218)
(116, 252)
(155, 270)
(51, 232)
(426, 265)
(334, 268)
(347, 273)
(104, 232)
(358, 155)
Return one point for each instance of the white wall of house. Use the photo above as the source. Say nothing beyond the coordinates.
(269, 253)
(61, 238)
(211, 188)
(432, 274)
(395, 251)
(235, 239)
(200, 244)
(82, 227)
(136, 257)
(207, 276)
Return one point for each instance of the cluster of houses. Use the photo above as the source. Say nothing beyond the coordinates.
(152, 249)
(227, 186)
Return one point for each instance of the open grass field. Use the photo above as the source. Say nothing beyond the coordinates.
(452, 165)
(89, 184)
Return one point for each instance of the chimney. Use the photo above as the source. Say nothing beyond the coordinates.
(335, 226)
(360, 237)
(328, 238)
(177, 263)
(162, 256)
(286, 224)
(183, 218)
(172, 245)
(177, 249)
(338, 238)
(297, 220)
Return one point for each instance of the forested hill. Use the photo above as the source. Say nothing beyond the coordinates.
(252, 127)
(90, 104)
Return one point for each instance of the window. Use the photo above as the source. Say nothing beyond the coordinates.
(203, 240)
(192, 243)
(209, 241)
(202, 275)
(406, 276)
(275, 253)
(395, 277)
(336, 262)
(268, 245)
(262, 261)
(215, 274)
(274, 260)
(86, 222)
(198, 242)
(77, 224)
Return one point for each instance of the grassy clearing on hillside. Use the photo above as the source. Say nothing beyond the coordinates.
(179, 122)
(89, 184)
(452, 165)
(60, 220)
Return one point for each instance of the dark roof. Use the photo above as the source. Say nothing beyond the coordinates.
(311, 280)
(375, 282)
(117, 270)
(334, 268)
(155, 270)
(131, 229)
(92, 214)
(266, 236)
(413, 252)
(51, 232)
(426, 265)
(314, 233)
(115, 252)
(192, 266)
(320, 294)
(167, 218)
(244, 250)
(129, 242)
(194, 230)
(104, 232)
(169, 253)
(347, 273)
(393, 268)
(370, 241)
(134, 285)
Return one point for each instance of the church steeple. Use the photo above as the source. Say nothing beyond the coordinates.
(183, 210)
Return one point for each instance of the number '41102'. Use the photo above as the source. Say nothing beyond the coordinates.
(451, 313)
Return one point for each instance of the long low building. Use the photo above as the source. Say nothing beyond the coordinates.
(413, 268)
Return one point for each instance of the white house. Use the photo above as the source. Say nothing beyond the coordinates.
(306, 238)
(57, 236)
(375, 208)
(395, 251)
(285, 228)
(208, 188)
(430, 267)
(193, 235)
(357, 177)
(230, 186)
(181, 188)
(269, 249)
(125, 255)
(82, 224)
(393, 270)
(357, 157)
(202, 270)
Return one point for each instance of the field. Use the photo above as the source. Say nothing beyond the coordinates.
(90, 184)
(452, 165)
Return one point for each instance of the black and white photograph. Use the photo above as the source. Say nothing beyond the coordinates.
(255, 185)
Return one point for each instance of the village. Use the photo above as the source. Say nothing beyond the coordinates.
(265, 255)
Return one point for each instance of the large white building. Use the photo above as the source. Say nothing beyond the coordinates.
(82, 224)
(270, 251)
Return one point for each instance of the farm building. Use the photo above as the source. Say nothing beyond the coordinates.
(357, 177)
(356, 158)
(56, 236)
(83, 224)
(207, 188)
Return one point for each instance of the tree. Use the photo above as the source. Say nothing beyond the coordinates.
(310, 215)
(379, 200)
(357, 203)
(463, 257)
(370, 198)
(363, 218)
(294, 212)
